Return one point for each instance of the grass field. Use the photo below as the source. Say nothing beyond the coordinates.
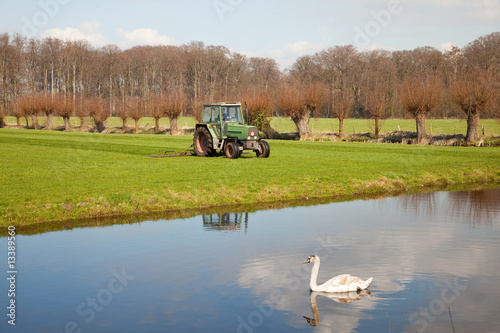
(316, 125)
(52, 175)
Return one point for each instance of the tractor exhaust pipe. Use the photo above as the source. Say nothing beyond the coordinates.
(246, 112)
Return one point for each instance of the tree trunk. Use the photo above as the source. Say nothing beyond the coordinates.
(34, 120)
(18, 120)
(157, 125)
(124, 125)
(49, 123)
(341, 127)
(67, 124)
(173, 125)
(420, 120)
(136, 130)
(472, 125)
(100, 126)
(302, 123)
(2, 123)
(377, 127)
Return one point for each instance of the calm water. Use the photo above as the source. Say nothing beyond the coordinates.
(429, 254)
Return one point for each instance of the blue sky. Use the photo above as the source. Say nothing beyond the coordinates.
(280, 29)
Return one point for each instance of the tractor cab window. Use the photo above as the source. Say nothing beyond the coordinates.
(206, 116)
(232, 114)
(215, 115)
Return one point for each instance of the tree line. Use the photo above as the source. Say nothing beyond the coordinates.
(73, 78)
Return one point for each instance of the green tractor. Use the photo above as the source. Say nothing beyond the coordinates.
(223, 128)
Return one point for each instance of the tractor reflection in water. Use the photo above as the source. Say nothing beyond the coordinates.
(225, 221)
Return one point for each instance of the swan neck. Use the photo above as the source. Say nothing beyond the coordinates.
(314, 276)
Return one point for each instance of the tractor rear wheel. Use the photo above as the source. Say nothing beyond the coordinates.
(203, 142)
(265, 150)
(232, 150)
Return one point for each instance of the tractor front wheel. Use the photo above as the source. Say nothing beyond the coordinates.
(232, 150)
(265, 150)
(203, 142)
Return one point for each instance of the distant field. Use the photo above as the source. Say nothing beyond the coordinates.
(54, 175)
(316, 125)
(439, 126)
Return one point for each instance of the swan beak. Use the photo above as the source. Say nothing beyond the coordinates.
(307, 261)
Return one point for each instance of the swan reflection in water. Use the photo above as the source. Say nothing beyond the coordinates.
(345, 298)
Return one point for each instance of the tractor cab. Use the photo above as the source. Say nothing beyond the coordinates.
(223, 128)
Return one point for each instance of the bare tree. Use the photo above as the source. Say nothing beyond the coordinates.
(483, 53)
(45, 105)
(122, 113)
(65, 108)
(27, 106)
(342, 104)
(298, 101)
(172, 106)
(290, 101)
(259, 106)
(98, 111)
(18, 112)
(156, 111)
(135, 109)
(377, 100)
(419, 96)
(473, 93)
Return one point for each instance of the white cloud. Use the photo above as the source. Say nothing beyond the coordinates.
(298, 49)
(144, 36)
(376, 46)
(287, 55)
(86, 31)
(443, 47)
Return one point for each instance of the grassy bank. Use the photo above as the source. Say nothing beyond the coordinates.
(50, 175)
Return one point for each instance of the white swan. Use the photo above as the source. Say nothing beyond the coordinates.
(339, 284)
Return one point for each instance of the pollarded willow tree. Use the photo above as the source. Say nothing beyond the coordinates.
(377, 101)
(172, 105)
(97, 109)
(342, 104)
(135, 108)
(259, 107)
(419, 96)
(26, 106)
(298, 101)
(472, 92)
(65, 108)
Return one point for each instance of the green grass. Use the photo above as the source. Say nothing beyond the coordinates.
(317, 125)
(51, 175)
